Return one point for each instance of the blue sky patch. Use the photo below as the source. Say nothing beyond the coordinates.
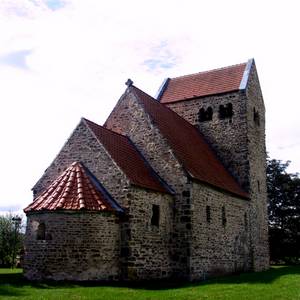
(55, 4)
(16, 59)
(7, 208)
(154, 64)
(51, 4)
(161, 57)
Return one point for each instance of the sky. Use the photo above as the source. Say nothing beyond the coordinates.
(61, 60)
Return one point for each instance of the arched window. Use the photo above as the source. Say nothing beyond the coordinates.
(209, 114)
(205, 115)
(225, 111)
(41, 232)
(201, 115)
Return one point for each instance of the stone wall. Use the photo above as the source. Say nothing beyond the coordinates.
(77, 246)
(145, 250)
(218, 248)
(185, 244)
(84, 147)
(239, 142)
(228, 137)
(130, 118)
(257, 172)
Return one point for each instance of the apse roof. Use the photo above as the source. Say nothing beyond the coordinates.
(75, 189)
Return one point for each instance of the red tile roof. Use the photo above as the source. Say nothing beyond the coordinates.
(75, 189)
(128, 158)
(202, 84)
(189, 146)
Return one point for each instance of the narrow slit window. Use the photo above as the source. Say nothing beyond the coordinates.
(155, 215)
(208, 214)
(256, 117)
(224, 220)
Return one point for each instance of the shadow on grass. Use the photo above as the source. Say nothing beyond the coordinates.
(265, 277)
(10, 284)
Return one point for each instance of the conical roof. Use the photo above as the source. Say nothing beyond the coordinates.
(75, 189)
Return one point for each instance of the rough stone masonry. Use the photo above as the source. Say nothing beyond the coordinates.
(167, 188)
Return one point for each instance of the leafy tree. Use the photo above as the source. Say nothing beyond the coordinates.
(11, 240)
(284, 212)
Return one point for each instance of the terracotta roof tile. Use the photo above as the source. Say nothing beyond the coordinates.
(128, 158)
(189, 146)
(202, 84)
(75, 189)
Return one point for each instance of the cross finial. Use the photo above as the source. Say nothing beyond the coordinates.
(129, 82)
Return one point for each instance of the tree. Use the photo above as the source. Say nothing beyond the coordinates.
(11, 239)
(284, 212)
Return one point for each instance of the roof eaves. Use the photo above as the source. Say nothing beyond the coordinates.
(244, 195)
(202, 96)
(246, 74)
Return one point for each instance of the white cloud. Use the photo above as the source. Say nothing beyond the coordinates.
(82, 52)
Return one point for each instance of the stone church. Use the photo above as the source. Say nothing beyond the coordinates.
(172, 187)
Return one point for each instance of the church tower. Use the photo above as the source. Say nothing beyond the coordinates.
(227, 107)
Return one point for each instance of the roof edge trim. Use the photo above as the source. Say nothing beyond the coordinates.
(115, 205)
(162, 89)
(246, 74)
(153, 122)
(154, 173)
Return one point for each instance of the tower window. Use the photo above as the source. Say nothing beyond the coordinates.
(224, 220)
(41, 232)
(225, 111)
(256, 117)
(246, 221)
(208, 214)
(205, 115)
(155, 215)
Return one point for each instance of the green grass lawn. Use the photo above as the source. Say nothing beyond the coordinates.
(278, 283)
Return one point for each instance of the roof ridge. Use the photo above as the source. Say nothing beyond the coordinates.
(171, 110)
(208, 71)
